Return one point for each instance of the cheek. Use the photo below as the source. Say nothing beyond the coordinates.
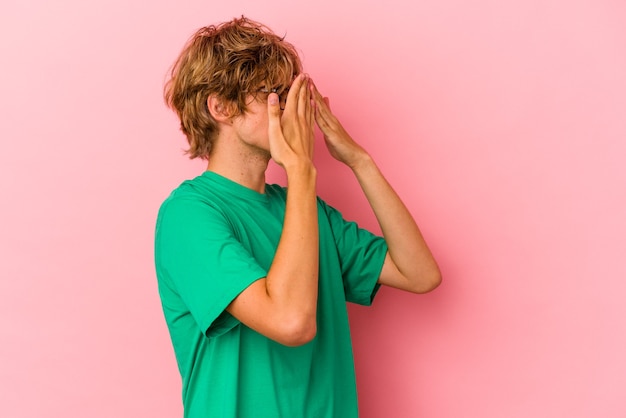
(262, 125)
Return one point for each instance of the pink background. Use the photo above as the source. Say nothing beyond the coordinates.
(502, 124)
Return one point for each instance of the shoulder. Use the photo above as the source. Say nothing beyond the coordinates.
(189, 203)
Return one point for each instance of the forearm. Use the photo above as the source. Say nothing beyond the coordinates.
(407, 248)
(292, 281)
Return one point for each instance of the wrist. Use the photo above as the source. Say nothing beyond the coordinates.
(362, 161)
(303, 171)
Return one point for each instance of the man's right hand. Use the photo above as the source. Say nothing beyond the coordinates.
(291, 132)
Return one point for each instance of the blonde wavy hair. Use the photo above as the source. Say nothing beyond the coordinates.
(231, 61)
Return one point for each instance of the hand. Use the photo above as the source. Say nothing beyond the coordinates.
(291, 136)
(340, 145)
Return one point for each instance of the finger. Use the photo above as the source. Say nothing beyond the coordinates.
(321, 104)
(311, 114)
(318, 96)
(316, 99)
(307, 112)
(326, 121)
(294, 91)
(274, 113)
(312, 93)
(322, 113)
(304, 98)
(310, 107)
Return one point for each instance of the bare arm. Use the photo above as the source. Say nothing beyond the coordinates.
(409, 264)
(282, 306)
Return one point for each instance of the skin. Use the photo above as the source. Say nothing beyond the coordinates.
(282, 306)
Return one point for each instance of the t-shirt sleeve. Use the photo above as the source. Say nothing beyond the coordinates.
(361, 256)
(202, 262)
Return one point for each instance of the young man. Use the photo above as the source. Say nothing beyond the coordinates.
(254, 278)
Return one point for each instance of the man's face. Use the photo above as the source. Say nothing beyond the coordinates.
(252, 125)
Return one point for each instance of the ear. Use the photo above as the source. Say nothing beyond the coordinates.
(218, 109)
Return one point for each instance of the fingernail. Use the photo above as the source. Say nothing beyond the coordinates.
(273, 99)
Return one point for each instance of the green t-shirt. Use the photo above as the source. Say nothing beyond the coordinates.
(214, 238)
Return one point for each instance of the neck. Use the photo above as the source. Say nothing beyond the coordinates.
(242, 164)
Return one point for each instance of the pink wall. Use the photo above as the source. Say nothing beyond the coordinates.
(502, 124)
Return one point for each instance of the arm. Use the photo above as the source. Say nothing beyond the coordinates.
(283, 305)
(409, 264)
